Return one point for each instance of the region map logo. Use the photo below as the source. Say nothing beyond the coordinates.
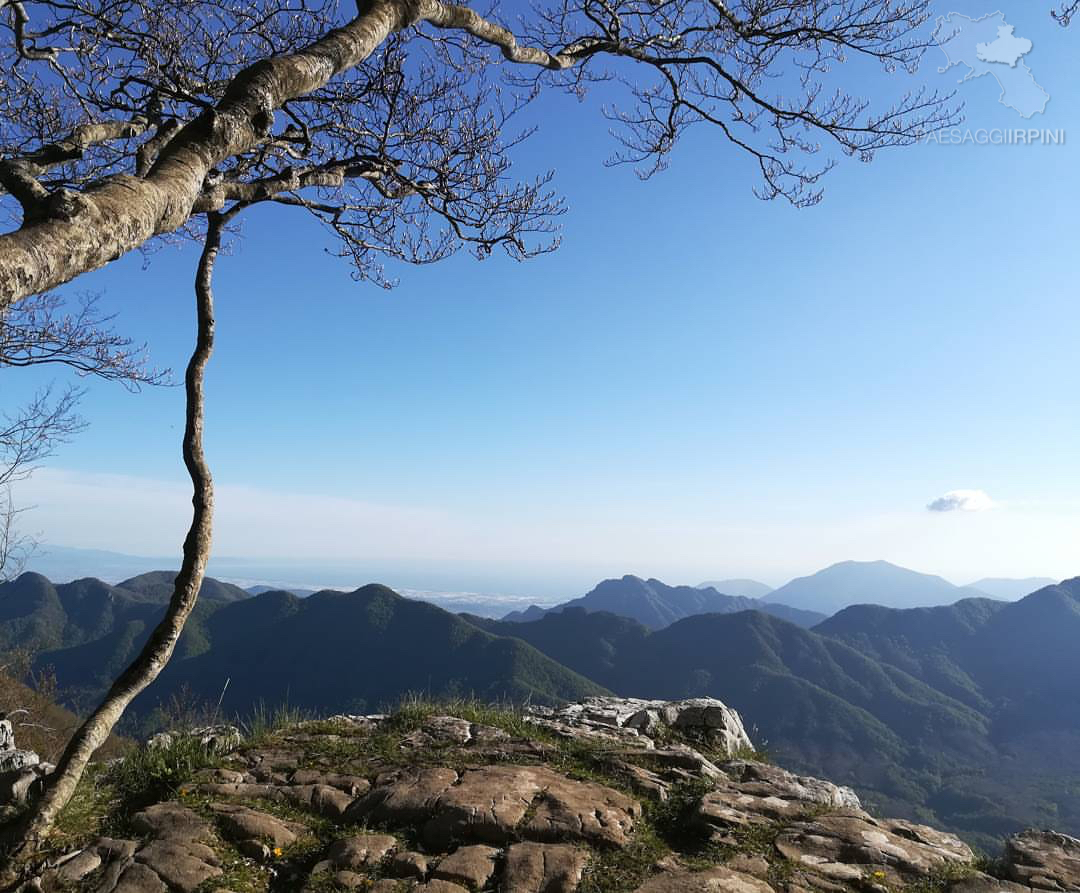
(989, 48)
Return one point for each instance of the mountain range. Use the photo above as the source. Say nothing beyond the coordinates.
(966, 715)
(656, 605)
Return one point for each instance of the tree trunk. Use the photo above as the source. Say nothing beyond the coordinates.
(159, 648)
(122, 212)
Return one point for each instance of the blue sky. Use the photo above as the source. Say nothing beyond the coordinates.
(696, 385)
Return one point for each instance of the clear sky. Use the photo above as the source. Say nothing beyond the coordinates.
(696, 385)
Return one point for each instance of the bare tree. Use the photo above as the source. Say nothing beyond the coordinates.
(1063, 15)
(43, 331)
(95, 730)
(128, 122)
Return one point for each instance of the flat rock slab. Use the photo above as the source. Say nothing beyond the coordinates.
(137, 878)
(543, 868)
(440, 887)
(582, 810)
(241, 823)
(182, 866)
(470, 866)
(763, 780)
(842, 846)
(490, 804)
(78, 866)
(171, 820)
(353, 785)
(409, 865)
(486, 805)
(404, 797)
(322, 799)
(1044, 859)
(361, 851)
(713, 880)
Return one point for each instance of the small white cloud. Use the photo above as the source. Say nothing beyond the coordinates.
(962, 501)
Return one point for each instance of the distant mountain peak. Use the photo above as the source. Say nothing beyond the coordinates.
(877, 582)
(655, 604)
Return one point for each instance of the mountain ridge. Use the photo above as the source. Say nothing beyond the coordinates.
(655, 604)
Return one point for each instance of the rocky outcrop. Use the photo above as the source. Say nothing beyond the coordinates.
(22, 772)
(1044, 860)
(609, 796)
(638, 722)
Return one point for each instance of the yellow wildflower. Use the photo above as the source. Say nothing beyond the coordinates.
(277, 851)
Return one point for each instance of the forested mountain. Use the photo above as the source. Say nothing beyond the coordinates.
(966, 715)
(38, 615)
(332, 651)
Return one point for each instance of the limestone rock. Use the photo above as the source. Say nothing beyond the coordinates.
(755, 793)
(720, 879)
(486, 806)
(353, 785)
(1044, 860)
(138, 878)
(7, 735)
(584, 811)
(14, 760)
(321, 799)
(78, 865)
(842, 846)
(490, 803)
(23, 785)
(637, 721)
(790, 786)
(543, 868)
(183, 866)
(440, 887)
(405, 797)
(361, 851)
(409, 865)
(242, 823)
(470, 866)
(171, 820)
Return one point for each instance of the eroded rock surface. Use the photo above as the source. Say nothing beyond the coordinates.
(444, 804)
(637, 721)
(1044, 860)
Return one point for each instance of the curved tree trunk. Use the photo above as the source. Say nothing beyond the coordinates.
(159, 648)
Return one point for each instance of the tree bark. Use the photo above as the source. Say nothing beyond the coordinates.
(70, 233)
(159, 648)
(120, 213)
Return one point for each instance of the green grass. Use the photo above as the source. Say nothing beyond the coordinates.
(147, 775)
(109, 796)
(940, 879)
(413, 709)
(621, 870)
(263, 721)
